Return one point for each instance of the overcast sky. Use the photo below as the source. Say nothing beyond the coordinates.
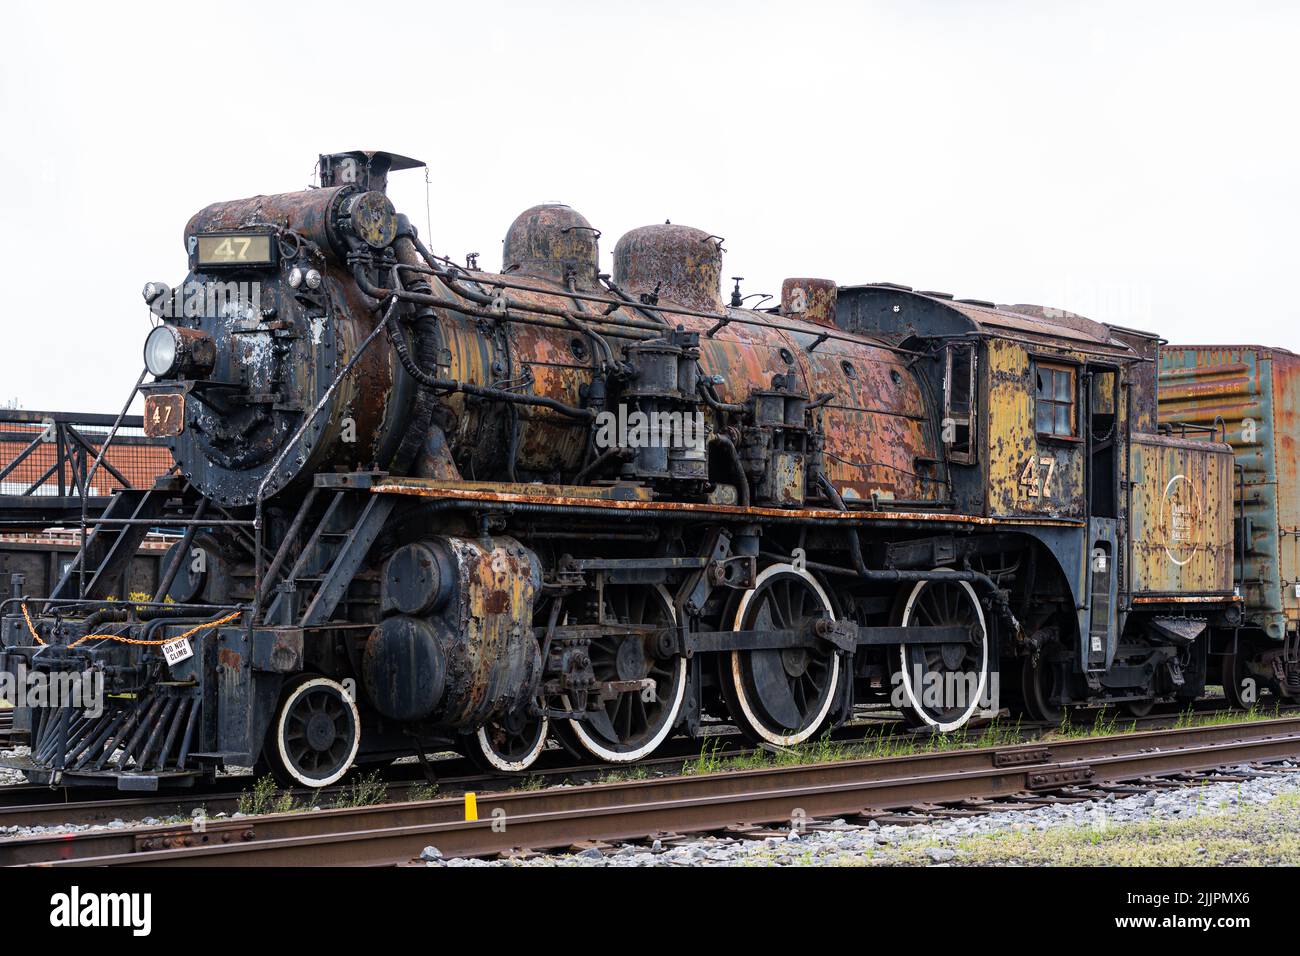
(1133, 162)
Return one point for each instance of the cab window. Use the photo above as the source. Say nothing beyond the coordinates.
(959, 390)
(1054, 401)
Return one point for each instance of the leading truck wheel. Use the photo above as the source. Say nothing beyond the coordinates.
(944, 684)
(314, 735)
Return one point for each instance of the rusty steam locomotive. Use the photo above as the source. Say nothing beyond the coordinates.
(427, 506)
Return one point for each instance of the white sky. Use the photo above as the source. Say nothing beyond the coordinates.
(1133, 162)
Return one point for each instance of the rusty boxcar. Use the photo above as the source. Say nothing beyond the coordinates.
(447, 507)
(1248, 395)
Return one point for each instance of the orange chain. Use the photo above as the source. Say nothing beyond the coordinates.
(131, 640)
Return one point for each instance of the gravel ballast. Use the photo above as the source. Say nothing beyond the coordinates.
(1254, 822)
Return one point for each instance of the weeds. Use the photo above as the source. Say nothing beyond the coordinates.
(363, 792)
(266, 797)
(637, 772)
(424, 790)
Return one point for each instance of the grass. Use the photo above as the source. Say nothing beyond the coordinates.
(826, 750)
(1263, 835)
(363, 792)
(424, 790)
(623, 774)
(1104, 724)
(267, 797)
(1188, 718)
(998, 733)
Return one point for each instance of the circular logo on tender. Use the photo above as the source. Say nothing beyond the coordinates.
(1180, 519)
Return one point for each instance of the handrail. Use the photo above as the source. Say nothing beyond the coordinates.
(103, 449)
(258, 524)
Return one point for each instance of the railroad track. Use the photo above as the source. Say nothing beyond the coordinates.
(26, 805)
(736, 802)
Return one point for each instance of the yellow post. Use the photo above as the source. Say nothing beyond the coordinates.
(471, 807)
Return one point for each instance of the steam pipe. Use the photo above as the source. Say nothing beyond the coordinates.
(705, 388)
(742, 479)
(398, 338)
(445, 273)
(604, 459)
(617, 326)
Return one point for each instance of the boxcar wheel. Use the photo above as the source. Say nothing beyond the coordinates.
(1240, 689)
(1139, 708)
(314, 734)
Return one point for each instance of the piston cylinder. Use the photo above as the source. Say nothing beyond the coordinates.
(459, 649)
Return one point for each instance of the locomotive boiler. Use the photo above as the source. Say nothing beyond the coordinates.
(422, 505)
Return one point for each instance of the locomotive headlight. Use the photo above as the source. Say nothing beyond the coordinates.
(160, 351)
(171, 351)
(295, 278)
(312, 279)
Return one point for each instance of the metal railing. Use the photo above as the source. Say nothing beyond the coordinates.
(48, 471)
(52, 454)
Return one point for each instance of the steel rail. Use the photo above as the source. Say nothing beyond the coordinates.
(35, 804)
(392, 833)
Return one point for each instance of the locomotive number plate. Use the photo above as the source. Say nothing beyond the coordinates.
(235, 249)
(164, 415)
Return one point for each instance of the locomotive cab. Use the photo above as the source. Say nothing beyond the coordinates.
(1049, 433)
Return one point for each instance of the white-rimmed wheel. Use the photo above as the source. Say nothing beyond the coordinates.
(314, 734)
(632, 723)
(781, 696)
(509, 745)
(943, 684)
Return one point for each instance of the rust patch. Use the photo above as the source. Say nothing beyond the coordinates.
(428, 489)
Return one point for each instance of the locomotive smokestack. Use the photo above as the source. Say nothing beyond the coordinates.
(368, 169)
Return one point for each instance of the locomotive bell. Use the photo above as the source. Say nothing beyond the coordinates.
(678, 263)
(553, 241)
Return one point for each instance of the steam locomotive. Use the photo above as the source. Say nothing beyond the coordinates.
(427, 506)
